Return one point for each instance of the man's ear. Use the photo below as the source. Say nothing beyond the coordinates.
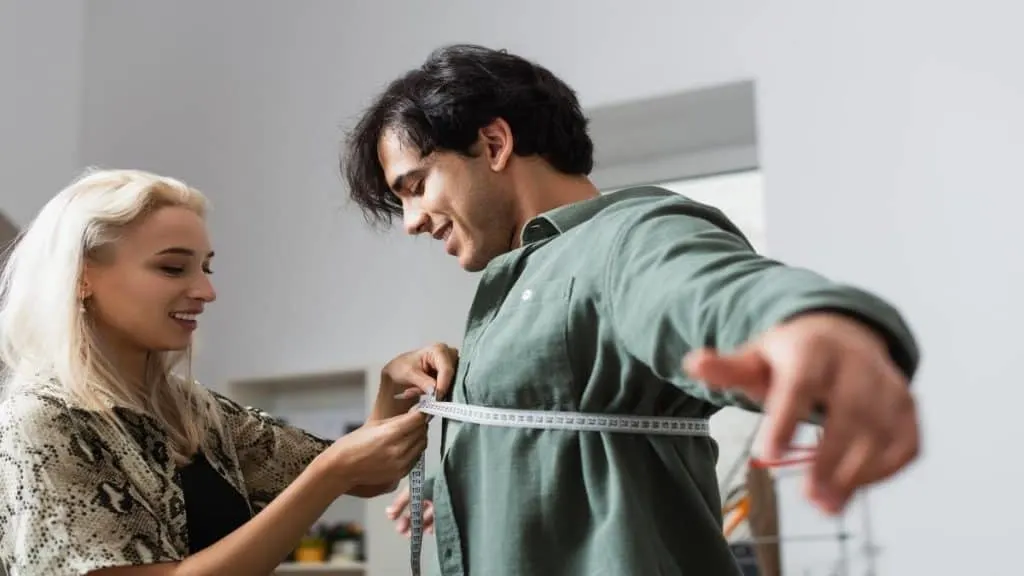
(498, 143)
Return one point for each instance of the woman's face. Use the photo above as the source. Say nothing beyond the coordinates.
(147, 290)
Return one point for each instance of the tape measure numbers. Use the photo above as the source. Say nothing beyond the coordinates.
(533, 419)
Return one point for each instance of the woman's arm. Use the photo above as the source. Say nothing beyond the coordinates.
(259, 546)
(376, 453)
(272, 454)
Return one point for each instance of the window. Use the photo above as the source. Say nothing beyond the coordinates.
(738, 195)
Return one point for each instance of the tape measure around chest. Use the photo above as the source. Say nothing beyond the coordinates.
(534, 419)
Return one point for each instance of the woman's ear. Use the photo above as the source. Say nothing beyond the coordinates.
(498, 143)
(85, 283)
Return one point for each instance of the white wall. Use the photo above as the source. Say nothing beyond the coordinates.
(249, 109)
(40, 101)
(889, 135)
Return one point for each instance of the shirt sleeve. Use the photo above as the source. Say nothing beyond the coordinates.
(67, 506)
(681, 276)
(271, 453)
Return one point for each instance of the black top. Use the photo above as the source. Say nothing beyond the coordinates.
(213, 508)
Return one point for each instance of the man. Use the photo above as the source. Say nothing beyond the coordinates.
(638, 302)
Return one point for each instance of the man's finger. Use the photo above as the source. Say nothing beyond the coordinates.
(746, 370)
(857, 468)
(792, 392)
(398, 504)
(841, 432)
(402, 525)
(905, 444)
(428, 513)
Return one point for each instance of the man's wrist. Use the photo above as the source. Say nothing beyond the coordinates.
(862, 331)
(870, 333)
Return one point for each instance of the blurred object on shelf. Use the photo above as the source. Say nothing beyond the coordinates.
(338, 542)
(312, 549)
(344, 541)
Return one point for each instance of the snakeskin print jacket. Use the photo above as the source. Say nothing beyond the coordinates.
(74, 498)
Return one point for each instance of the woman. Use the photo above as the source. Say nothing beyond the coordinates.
(113, 461)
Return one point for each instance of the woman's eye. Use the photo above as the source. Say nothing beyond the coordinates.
(173, 270)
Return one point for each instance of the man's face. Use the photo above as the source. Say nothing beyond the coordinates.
(465, 202)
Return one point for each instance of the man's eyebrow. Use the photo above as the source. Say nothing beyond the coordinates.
(182, 251)
(399, 182)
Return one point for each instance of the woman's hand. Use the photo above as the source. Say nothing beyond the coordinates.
(424, 371)
(380, 453)
(402, 381)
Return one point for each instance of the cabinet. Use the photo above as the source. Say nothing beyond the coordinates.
(327, 404)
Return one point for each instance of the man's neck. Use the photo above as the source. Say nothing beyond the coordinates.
(543, 189)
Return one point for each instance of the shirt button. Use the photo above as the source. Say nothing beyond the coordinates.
(527, 294)
(447, 553)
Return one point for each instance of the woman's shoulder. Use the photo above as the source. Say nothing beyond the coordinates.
(38, 427)
(36, 415)
(231, 408)
(33, 406)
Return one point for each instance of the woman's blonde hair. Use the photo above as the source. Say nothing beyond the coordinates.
(46, 341)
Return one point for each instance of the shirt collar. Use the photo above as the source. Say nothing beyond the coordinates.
(563, 218)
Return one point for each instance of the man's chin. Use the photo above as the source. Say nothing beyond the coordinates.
(472, 266)
(472, 261)
(476, 260)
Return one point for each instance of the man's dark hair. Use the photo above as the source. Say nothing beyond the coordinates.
(443, 104)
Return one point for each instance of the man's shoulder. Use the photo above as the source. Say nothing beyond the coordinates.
(630, 206)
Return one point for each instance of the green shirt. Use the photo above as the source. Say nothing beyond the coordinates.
(594, 313)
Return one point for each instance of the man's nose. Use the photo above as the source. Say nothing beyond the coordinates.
(415, 222)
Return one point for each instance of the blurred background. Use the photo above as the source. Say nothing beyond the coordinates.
(876, 142)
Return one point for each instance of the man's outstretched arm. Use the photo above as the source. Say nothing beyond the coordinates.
(682, 285)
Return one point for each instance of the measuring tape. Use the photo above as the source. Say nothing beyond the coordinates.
(534, 419)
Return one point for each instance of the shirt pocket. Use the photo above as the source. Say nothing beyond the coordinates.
(522, 360)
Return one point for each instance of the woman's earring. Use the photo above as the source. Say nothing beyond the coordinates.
(81, 306)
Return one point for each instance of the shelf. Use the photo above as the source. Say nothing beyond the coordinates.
(325, 569)
(325, 404)
(309, 401)
(307, 382)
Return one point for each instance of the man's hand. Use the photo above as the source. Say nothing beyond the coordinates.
(411, 374)
(834, 362)
(403, 522)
